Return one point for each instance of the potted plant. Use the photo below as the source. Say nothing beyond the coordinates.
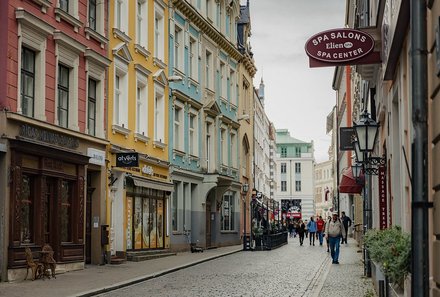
(391, 249)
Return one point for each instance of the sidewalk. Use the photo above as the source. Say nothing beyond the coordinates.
(98, 279)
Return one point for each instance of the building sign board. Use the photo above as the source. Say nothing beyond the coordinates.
(96, 156)
(339, 45)
(127, 159)
(383, 212)
(346, 137)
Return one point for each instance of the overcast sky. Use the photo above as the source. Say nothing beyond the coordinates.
(297, 98)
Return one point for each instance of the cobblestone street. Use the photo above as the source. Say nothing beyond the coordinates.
(291, 270)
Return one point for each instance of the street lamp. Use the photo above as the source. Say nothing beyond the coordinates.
(244, 190)
(356, 169)
(366, 132)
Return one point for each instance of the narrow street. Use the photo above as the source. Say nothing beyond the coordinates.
(291, 270)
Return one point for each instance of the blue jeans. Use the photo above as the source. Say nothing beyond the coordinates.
(320, 237)
(334, 247)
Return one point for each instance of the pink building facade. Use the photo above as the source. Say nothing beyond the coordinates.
(53, 180)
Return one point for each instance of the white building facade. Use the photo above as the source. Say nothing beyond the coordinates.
(295, 164)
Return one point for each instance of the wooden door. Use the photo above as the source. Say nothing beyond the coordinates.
(208, 225)
(89, 224)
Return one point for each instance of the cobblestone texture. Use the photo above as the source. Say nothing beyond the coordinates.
(291, 270)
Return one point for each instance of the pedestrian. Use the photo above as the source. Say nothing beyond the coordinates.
(306, 231)
(295, 227)
(290, 229)
(329, 218)
(334, 232)
(301, 231)
(311, 227)
(346, 221)
(320, 224)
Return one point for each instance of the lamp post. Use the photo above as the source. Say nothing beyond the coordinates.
(366, 133)
(244, 190)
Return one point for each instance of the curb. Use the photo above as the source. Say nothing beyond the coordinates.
(147, 277)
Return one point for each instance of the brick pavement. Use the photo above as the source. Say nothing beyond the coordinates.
(323, 280)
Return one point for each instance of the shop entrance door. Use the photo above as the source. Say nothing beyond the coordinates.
(89, 222)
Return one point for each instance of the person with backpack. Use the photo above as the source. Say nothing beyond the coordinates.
(320, 224)
(334, 231)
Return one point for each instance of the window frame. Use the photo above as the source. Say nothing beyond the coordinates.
(142, 22)
(283, 186)
(178, 125)
(25, 73)
(141, 104)
(159, 113)
(179, 47)
(192, 57)
(159, 32)
(63, 89)
(92, 99)
(228, 221)
(193, 133)
(121, 112)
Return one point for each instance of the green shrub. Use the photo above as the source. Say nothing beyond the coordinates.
(391, 248)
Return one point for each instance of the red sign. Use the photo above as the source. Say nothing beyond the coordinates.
(339, 45)
(383, 213)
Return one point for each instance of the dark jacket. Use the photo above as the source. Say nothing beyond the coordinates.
(346, 221)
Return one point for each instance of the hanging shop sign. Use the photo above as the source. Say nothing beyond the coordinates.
(127, 159)
(342, 46)
(383, 212)
(346, 137)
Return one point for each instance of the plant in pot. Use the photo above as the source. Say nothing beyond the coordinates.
(391, 249)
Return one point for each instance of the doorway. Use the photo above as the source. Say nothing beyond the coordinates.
(89, 219)
(208, 224)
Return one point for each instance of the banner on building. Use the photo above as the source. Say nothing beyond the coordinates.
(383, 213)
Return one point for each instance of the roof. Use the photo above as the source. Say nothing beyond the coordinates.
(283, 136)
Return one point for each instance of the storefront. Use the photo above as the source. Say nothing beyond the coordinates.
(49, 174)
(139, 204)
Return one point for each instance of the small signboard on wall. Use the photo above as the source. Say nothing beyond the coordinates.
(127, 159)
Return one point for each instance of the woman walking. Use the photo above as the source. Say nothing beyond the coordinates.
(301, 231)
(311, 226)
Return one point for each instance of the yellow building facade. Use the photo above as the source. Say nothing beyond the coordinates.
(137, 126)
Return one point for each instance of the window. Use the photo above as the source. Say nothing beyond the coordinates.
(64, 5)
(192, 58)
(283, 167)
(193, 134)
(27, 209)
(208, 70)
(31, 90)
(227, 212)
(63, 96)
(208, 153)
(159, 115)
(141, 104)
(91, 107)
(297, 167)
(159, 34)
(92, 14)
(178, 47)
(232, 87)
(208, 8)
(234, 149)
(178, 127)
(298, 152)
(27, 81)
(120, 110)
(222, 79)
(66, 211)
(223, 147)
(141, 23)
(283, 186)
(298, 186)
(283, 152)
(121, 15)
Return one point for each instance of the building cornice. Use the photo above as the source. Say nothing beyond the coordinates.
(188, 11)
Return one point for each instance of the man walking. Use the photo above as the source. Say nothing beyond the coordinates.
(334, 232)
(346, 221)
(320, 229)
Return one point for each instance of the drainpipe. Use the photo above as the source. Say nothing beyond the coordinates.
(420, 204)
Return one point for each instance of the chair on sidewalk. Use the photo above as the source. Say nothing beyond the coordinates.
(48, 261)
(36, 267)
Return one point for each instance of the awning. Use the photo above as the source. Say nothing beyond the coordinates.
(349, 184)
(147, 183)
